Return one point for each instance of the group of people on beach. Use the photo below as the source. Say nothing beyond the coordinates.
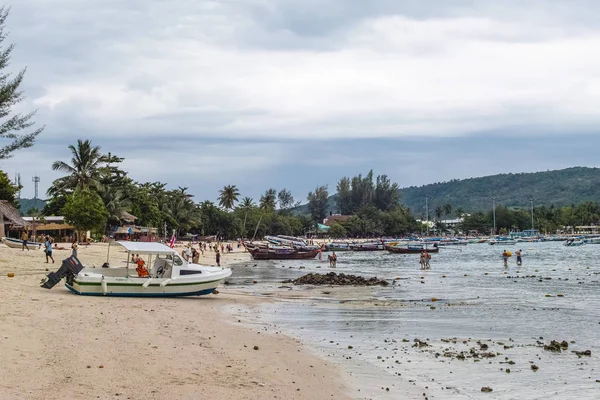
(49, 246)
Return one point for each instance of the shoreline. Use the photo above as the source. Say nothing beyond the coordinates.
(86, 347)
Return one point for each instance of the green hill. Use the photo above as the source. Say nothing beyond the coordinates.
(561, 187)
(27, 204)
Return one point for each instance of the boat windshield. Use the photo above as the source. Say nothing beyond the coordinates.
(177, 260)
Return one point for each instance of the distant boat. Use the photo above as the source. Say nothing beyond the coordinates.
(411, 249)
(504, 241)
(366, 246)
(281, 253)
(18, 244)
(452, 242)
(573, 242)
(595, 240)
(337, 246)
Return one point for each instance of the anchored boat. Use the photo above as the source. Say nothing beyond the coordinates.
(169, 275)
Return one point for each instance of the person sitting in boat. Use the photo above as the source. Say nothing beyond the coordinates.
(141, 269)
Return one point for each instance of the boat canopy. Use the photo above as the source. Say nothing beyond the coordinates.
(146, 248)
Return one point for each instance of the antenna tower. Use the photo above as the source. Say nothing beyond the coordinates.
(36, 181)
(18, 183)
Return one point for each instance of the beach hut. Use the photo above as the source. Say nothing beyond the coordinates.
(10, 219)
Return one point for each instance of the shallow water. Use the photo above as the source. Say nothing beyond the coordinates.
(476, 301)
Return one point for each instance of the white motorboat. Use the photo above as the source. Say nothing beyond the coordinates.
(574, 242)
(168, 276)
(18, 244)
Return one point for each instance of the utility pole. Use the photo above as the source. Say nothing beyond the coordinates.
(427, 213)
(531, 200)
(494, 212)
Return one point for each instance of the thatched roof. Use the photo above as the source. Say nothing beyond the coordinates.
(11, 215)
(125, 216)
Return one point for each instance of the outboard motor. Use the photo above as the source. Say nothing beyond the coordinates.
(69, 268)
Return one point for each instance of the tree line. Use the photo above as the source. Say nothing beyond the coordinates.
(546, 219)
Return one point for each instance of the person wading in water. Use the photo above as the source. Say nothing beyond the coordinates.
(519, 259)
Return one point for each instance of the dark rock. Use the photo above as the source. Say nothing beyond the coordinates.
(583, 353)
(255, 347)
(486, 389)
(332, 278)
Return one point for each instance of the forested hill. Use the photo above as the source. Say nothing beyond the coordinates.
(26, 204)
(561, 187)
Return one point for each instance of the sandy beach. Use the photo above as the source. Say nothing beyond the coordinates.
(56, 345)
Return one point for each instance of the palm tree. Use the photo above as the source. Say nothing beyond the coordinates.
(228, 196)
(84, 172)
(448, 208)
(247, 204)
(115, 203)
(268, 202)
(181, 210)
(439, 211)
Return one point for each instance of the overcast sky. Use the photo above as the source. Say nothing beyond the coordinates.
(295, 94)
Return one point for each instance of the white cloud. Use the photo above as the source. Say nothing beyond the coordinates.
(386, 76)
(132, 74)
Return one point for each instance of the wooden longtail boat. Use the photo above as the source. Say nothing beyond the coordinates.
(258, 253)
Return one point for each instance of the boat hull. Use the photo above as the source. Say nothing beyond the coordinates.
(404, 250)
(263, 254)
(18, 244)
(134, 287)
(366, 247)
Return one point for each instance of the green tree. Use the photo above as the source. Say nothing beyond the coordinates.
(85, 210)
(337, 231)
(439, 211)
(344, 196)
(268, 201)
(286, 200)
(116, 203)
(317, 203)
(448, 209)
(387, 193)
(228, 196)
(85, 171)
(246, 205)
(12, 124)
(8, 190)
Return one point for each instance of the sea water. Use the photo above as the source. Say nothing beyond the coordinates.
(480, 306)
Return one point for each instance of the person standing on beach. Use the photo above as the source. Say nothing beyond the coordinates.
(188, 252)
(24, 238)
(519, 259)
(48, 245)
(333, 260)
(74, 247)
(426, 258)
(218, 257)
